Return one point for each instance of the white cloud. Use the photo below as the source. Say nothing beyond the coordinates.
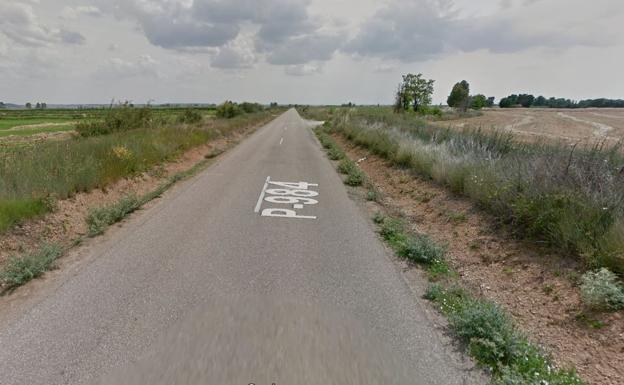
(144, 66)
(303, 69)
(71, 13)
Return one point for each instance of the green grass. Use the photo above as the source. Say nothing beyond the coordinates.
(14, 211)
(571, 199)
(21, 269)
(49, 170)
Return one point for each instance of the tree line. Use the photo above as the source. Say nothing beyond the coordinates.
(415, 92)
(528, 100)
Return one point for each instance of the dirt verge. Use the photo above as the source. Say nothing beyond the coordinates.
(536, 286)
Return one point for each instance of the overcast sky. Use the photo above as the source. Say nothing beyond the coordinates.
(305, 51)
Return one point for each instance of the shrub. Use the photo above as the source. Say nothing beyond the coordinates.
(99, 219)
(335, 153)
(116, 119)
(228, 110)
(346, 166)
(487, 330)
(372, 196)
(190, 116)
(355, 177)
(20, 270)
(249, 108)
(422, 249)
(601, 290)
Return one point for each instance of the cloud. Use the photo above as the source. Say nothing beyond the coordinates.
(71, 13)
(20, 24)
(426, 29)
(144, 66)
(303, 69)
(301, 50)
(283, 30)
(69, 37)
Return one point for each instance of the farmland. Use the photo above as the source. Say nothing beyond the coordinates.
(35, 172)
(17, 124)
(571, 125)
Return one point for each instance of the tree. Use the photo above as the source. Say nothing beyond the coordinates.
(490, 101)
(477, 102)
(540, 101)
(38, 106)
(29, 105)
(44, 105)
(416, 91)
(460, 95)
(526, 100)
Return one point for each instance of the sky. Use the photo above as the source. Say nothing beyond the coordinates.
(305, 51)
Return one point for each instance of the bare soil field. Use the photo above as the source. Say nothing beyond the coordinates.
(573, 125)
(536, 286)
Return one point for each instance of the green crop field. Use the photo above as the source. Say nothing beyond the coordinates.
(31, 122)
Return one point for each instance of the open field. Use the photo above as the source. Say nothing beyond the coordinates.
(26, 123)
(573, 125)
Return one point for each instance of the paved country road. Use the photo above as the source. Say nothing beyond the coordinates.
(259, 270)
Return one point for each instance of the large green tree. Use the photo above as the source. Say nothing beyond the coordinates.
(415, 91)
(460, 96)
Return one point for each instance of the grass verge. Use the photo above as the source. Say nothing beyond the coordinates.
(49, 170)
(569, 198)
(354, 176)
(485, 329)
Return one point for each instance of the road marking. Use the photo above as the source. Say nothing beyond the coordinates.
(297, 194)
(281, 140)
(261, 198)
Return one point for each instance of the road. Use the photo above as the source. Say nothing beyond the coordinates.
(241, 275)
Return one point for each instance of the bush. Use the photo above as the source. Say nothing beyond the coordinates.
(116, 119)
(100, 218)
(190, 116)
(346, 166)
(422, 249)
(249, 108)
(487, 330)
(335, 153)
(601, 290)
(355, 178)
(20, 270)
(228, 110)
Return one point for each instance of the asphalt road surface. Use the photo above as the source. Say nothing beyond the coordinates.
(259, 270)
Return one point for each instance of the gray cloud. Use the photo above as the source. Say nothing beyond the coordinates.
(303, 69)
(422, 30)
(301, 50)
(285, 32)
(20, 24)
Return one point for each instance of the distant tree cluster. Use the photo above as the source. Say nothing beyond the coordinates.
(461, 99)
(39, 105)
(2, 105)
(230, 109)
(528, 100)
